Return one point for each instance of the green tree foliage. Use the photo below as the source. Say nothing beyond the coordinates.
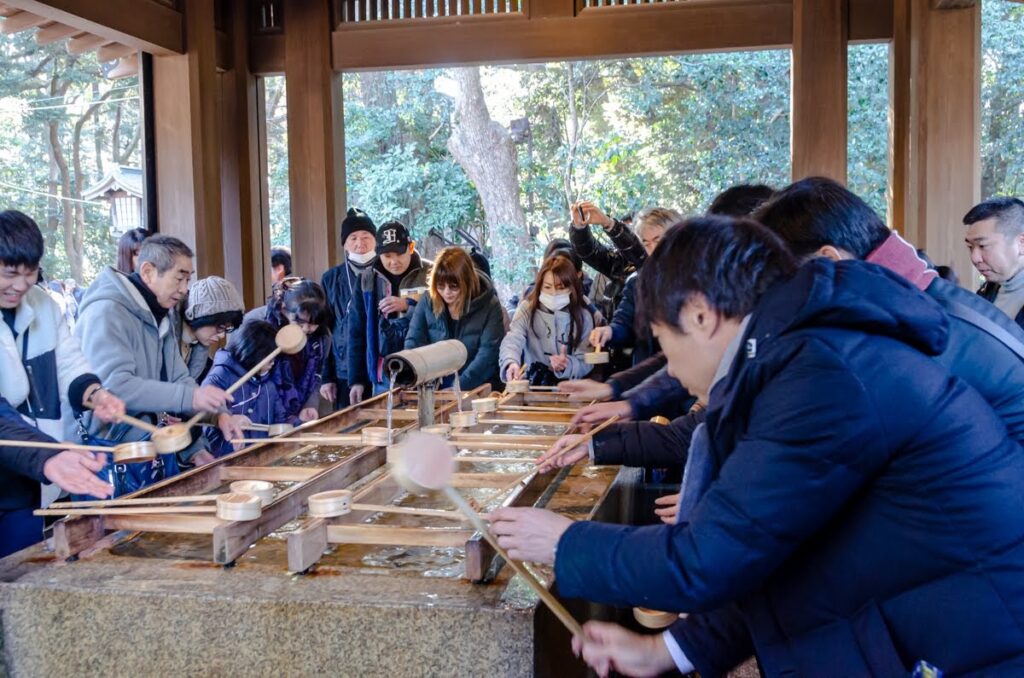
(1002, 98)
(64, 125)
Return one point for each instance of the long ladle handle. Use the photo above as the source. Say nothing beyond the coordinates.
(549, 599)
(238, 384)
(54, 446)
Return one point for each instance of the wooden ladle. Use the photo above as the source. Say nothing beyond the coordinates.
(430, 469)
(125, 453)
(290, 339)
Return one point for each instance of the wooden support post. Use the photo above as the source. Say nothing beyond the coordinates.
(188, 142)
(306, 545)
(71, 536)
(316, 149)
(819, 104)
(246, 233)
(936, 157)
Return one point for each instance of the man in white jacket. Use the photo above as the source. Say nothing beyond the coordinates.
(43, 374)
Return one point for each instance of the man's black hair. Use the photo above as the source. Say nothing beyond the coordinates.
(279, 256)
(1008, 213)
(817, 211)
(740, 200)
(730, 261)
(252, 342)
(21, 241)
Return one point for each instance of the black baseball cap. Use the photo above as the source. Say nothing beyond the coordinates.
(393, 237)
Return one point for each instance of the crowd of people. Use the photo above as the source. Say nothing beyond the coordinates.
(845, 421)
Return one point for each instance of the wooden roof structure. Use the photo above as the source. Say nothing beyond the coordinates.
(203, 97)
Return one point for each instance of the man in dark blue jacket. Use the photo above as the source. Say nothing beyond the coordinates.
(341, 284)
(848, 507)
(819, 217)
(22, 469)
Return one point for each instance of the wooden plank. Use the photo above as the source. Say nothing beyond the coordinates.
(266, 54)
(317, 184)
(145, 25)
(954, 4)
(397, 536)
(53, 32)
(231, 540)
(71, 536)
(819, 100)
(871, 20)
(306, 545)
(397, 414)
(175, 524)
(268, 473)
(21, 21)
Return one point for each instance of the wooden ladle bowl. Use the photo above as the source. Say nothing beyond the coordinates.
(424, 463)
(290, 339)
(239, 506)
(134, 452)
(330, 504)
(173, 438)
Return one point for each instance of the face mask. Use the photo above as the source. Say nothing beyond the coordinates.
(556, 302)
(361, 259)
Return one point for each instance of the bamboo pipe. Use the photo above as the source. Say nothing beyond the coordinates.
(125, 510)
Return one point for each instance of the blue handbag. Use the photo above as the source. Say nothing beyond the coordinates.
(128, 478)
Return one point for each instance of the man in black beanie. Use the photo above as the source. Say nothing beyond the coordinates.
(341, 283)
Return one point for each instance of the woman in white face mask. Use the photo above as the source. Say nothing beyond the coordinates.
(549, 331)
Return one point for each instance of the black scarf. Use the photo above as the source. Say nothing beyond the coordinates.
(158, 311)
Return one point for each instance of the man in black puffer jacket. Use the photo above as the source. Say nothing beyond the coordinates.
(848, 506)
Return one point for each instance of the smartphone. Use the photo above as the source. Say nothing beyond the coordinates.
(583, 217)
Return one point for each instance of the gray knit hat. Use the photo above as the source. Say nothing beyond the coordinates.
(213, 301)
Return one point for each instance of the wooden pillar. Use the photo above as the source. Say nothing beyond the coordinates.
(187, 141)
(316, 149)
(819, 79)
(936, 148)
(246, 233)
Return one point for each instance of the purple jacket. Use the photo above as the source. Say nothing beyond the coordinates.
(297, 377)
(257, 399)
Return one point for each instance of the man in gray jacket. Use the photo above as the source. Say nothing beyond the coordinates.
(126, 334)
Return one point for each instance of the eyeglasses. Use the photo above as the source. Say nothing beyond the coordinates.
(441, 287)
(225, 329)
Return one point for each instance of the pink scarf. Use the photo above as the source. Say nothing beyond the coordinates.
(900, 257)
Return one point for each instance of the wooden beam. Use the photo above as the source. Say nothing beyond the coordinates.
(266, 54)
(113, 50)
(954, 4)
(246, 235)
(268, 473)
(21, 21)
(819, 99)
(146, 25)
(84, 43)
(623, 31)
(316, 172)
(937, 117)
(53, 32)
(188, 142)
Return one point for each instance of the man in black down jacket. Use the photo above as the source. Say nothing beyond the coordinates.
(23, 468)
(848, 507)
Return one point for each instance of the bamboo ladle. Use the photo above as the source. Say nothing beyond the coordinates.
(290, 339)
(431, 469)
(125, 453)
(334, 503)
(231, 506)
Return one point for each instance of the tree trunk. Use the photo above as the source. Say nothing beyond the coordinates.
(67, 212)
(485, 151)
